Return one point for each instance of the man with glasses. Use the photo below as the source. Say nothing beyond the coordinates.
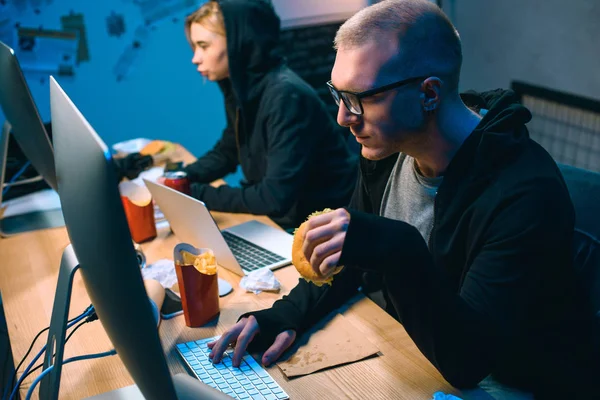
(460, 225)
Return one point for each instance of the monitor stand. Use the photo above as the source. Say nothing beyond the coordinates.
(50, 384)
(31, 221)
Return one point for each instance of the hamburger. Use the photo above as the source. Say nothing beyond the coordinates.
(299, 260)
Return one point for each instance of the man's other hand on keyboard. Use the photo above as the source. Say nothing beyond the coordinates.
(242, 334)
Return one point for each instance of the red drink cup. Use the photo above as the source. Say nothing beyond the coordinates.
(179, 181)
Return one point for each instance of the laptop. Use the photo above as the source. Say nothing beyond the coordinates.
(241, 249)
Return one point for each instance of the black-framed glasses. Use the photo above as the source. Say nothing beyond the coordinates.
(352, 99)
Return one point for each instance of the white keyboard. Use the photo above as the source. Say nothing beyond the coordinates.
(249, 381)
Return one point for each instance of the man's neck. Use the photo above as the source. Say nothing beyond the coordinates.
(452, 125)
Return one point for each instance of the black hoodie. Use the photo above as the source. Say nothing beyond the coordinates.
(494, 290)
(293, 156)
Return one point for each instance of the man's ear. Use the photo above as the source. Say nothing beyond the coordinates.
(430, 93)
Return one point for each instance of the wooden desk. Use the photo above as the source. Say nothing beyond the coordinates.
(28, 274)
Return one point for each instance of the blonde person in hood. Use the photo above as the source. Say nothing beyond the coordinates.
(294, 158)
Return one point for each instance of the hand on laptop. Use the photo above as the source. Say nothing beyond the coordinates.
(242, 334)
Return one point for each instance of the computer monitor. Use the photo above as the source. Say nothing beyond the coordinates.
(24, 123)
(100, 237)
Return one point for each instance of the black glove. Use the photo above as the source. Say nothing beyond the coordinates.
(131, 166)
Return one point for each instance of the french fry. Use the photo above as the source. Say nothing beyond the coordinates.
(204, 263)
(188, 258)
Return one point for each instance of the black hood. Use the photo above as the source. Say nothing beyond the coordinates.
(252, 28)
(504, 111)
(500, 135)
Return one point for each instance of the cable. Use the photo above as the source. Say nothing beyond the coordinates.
(15, 177)
(42, 350)
(16, 388)
(68, 360)
(91, 318)
(13, 379)
(90, 311)
(66, 340)
(14, 375)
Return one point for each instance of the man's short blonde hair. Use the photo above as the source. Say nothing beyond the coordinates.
(209, 15)
(428, 42)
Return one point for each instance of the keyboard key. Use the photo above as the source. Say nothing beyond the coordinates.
(270, 396)
(272, 385)
(207, 380)
(268, 380)
(261, 387)
(198, 369)
(248, 359)
(282, 395)
(243, 396)
(252, 391)
(251, 361)
(239, 391)
(257, 368)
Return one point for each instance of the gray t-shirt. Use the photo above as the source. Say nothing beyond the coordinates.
(409, 196)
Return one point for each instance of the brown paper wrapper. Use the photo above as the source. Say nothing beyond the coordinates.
(328, 344)
(199, 292)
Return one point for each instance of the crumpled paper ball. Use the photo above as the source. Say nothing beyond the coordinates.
(260, 280)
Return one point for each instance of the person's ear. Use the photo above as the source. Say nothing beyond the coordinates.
(430, 94)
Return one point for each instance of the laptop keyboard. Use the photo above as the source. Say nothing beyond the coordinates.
(249, 255)
(249, 381)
